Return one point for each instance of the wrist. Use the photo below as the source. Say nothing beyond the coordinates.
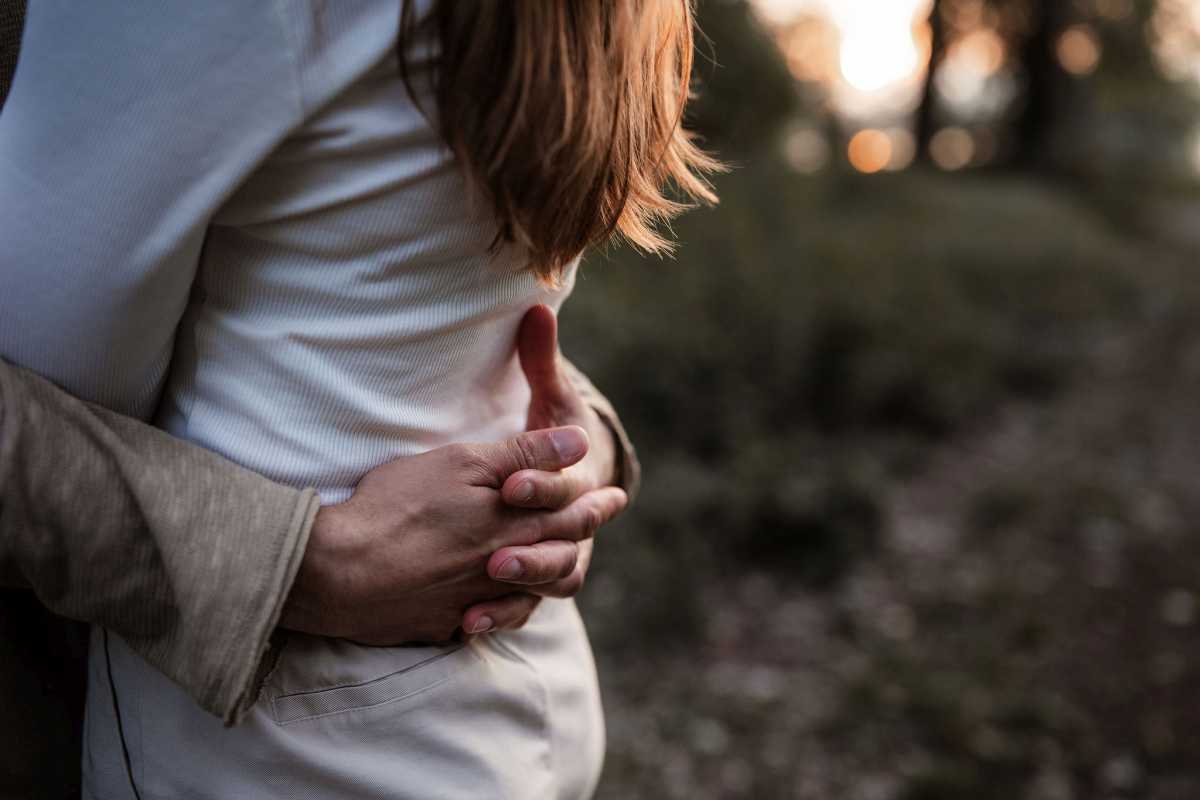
(308, 607)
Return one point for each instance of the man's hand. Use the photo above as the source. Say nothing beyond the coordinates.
(401, 559)
(554, 401)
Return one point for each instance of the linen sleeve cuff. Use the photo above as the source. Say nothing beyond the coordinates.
(629, 469)
(254, 649)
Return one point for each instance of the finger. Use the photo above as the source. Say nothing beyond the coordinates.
(566, 587)
(549, 449)
(544, 562)
(504, 613)
(537, 350)
(581, 519)
(553, 400)
(572, 583)
(537, 489)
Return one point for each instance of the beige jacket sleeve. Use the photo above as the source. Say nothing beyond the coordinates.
(186, 555)
(629, 470)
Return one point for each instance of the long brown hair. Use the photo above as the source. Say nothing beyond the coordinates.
(567, 116)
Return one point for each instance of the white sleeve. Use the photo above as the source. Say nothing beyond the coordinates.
(128, 125)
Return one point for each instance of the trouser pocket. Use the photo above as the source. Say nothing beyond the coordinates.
(350, 680)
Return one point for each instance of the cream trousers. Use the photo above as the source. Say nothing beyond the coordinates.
(510, 715)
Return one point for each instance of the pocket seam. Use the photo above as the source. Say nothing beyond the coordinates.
(459, 654)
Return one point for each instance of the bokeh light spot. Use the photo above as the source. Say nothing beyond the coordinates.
(870, 151)
(875, 59)
(1115, 10)
(952, 148)
(806, 150)
(1174, 35)
(878, 47)
(967, 75)
(1079, 50)
(904, 149)
(982, 51)
(810, 46)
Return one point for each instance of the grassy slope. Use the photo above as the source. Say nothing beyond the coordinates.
(916, 516)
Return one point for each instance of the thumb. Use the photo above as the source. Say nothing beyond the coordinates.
(537, 349)
(548, 450)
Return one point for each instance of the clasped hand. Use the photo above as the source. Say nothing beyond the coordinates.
(466, 537)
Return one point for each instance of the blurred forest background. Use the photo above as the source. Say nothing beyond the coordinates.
(917, 404)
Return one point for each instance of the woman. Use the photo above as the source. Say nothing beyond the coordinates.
(328, 223)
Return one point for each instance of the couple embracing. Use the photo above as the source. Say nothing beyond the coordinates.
(327, 240)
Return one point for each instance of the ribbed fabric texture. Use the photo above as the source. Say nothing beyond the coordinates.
(348, 310)
(303, 251)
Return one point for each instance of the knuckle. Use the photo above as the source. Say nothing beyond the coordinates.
(540, 527)
(460, 454)
(575, 527)
(523, 452)
(470, 460)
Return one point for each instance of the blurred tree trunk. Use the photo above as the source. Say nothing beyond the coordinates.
(1044, 86)
(927, 111)
(746, 94)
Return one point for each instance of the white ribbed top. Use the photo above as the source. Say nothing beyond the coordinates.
(255, 177)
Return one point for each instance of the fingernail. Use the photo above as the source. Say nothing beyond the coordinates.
(482, 625)
(510, 569)
(524, 492)
(569, 443)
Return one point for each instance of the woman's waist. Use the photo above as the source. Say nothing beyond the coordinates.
(328, 436)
